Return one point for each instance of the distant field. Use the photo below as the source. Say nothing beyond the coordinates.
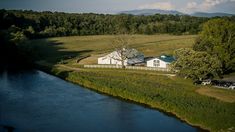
(62, 48)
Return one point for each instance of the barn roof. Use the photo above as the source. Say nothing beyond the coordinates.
(166, 58)
(133, 53)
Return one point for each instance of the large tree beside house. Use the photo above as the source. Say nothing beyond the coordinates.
(114, 58)
(218, 39)
(121, 45)
(196, 65)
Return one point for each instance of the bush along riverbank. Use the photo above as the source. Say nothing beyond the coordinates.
(170, 94)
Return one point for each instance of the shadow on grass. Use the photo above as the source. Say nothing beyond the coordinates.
(53, 52)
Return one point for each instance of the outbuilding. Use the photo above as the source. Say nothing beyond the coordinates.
(161, 62)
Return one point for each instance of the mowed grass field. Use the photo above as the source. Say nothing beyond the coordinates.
(208, 108)
(219, 93)
(62, 48)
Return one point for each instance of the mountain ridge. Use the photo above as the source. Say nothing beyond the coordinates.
(214, 14)
(148, 12)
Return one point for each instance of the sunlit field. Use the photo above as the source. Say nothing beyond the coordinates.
(62, 48)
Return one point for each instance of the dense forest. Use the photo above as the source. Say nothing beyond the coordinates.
(49, 24)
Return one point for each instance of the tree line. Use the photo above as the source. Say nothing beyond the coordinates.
(50, 24)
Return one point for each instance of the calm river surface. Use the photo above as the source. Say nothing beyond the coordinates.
(34, 101)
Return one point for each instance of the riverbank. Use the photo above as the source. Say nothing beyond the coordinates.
(169, 94)
(51, 104)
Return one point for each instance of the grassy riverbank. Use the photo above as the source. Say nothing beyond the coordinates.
(171, 94)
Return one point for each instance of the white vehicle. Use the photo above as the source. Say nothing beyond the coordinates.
(232, 87)
(206, 82)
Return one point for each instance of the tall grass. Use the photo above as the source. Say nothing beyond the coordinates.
(170, 94)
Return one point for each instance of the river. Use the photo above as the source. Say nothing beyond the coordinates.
(34, 101)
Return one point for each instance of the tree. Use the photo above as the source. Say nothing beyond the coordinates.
(49, 31)
(29, 32)
(218, 39)
(18, 37)
(123, 51)
(196, 65)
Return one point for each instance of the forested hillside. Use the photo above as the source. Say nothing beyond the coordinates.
(49, 24)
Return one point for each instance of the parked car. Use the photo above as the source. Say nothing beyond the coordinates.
(232, 87)
(206, 82)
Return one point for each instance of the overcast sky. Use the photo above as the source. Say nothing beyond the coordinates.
(115, 6)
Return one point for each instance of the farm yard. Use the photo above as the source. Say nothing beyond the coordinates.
(198, 105)
(54, 50)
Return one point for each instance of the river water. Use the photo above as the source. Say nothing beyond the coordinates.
(33, 101)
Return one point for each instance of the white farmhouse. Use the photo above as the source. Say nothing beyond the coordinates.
(114, 58)
(161, 62)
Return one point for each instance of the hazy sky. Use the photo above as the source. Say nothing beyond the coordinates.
(114, 6)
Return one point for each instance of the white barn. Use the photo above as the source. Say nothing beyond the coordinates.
(134, 57)
(161, 62)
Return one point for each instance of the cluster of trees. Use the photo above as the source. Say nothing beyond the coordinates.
(49, 24)
(218, 39)
(11, 56)
(213, 53)
(196, 65)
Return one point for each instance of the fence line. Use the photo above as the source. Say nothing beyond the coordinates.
(128, 67)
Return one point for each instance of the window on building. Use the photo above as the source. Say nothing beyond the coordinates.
(156, 63)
